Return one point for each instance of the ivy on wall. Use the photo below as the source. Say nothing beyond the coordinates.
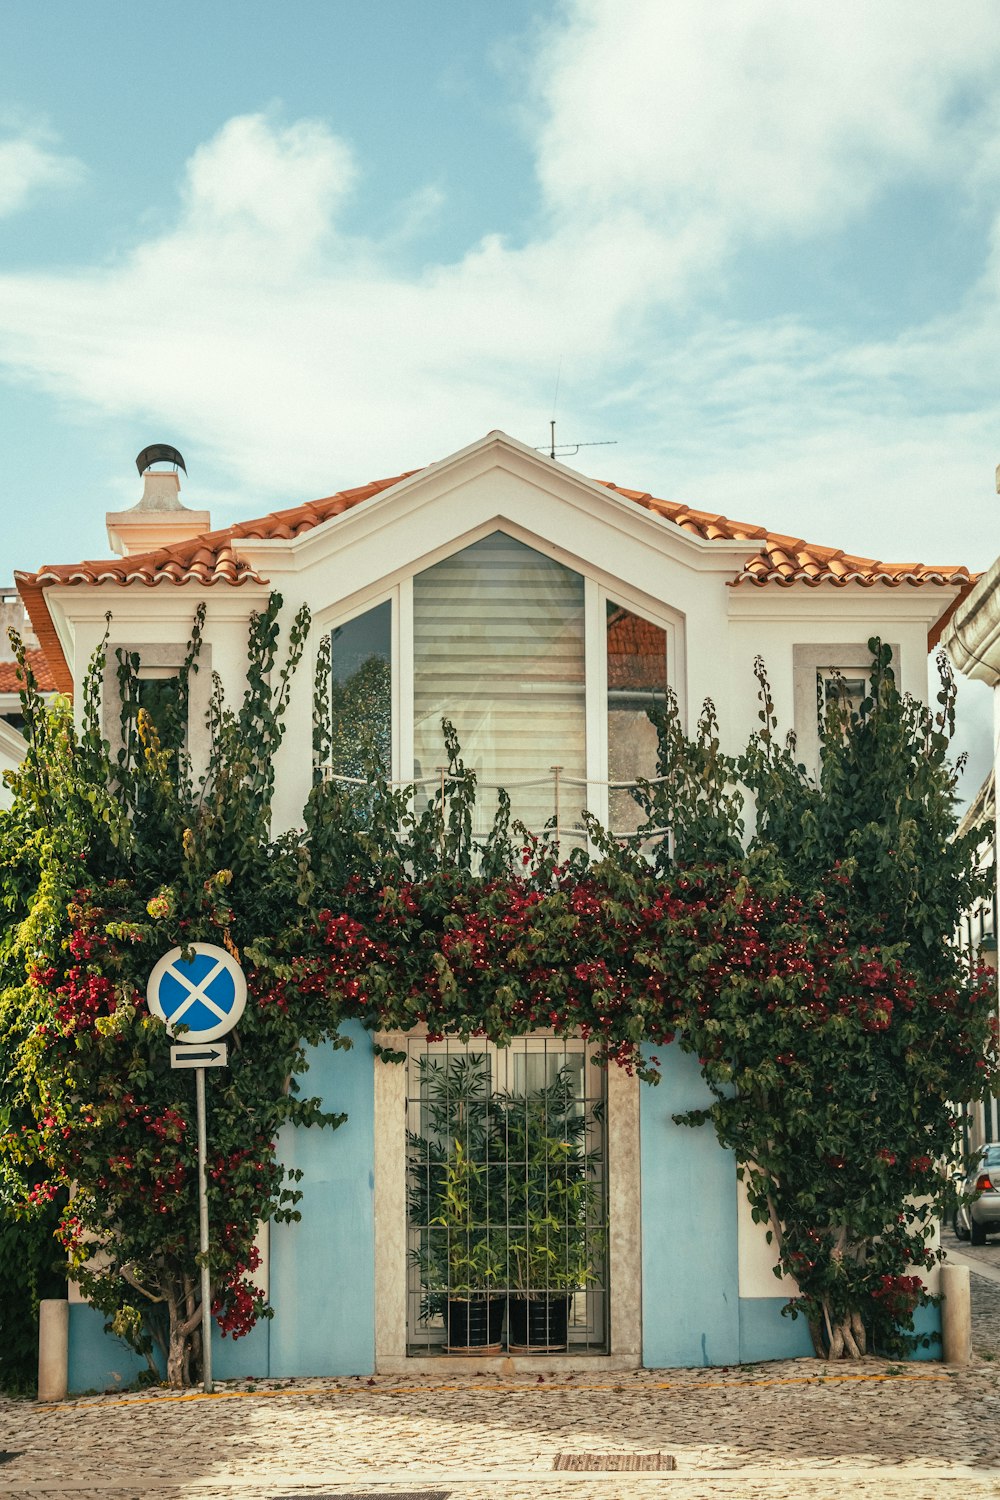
(806, 963)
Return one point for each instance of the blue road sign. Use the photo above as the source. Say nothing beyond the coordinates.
(206, 993)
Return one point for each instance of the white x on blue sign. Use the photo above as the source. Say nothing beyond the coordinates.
(206, 993)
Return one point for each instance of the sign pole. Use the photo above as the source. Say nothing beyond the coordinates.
(206, 1279)
(202, 989)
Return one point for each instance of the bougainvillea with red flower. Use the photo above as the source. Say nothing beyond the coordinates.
(807, 967)
(108, 861)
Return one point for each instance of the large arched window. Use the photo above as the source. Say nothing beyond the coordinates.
(549, 678)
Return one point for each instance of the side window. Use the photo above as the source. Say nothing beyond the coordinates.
(361, 693)
(637, 689)
(837, 672)
(841, 686)
(157, 669)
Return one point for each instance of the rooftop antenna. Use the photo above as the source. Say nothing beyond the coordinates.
(555, 403)
(567, 450)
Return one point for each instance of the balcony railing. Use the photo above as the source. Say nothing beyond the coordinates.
(555, 799)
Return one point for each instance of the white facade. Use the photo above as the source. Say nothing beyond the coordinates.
(627, 555)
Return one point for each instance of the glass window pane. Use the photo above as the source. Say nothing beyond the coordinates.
(841, 687)
(499, 650)
(361, 693)
(159, 696)
(637, 686)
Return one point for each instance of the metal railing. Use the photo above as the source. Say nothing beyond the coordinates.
(554, 824)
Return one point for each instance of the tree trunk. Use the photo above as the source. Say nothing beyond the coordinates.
(184, 1312)
(842, 1339)
(176, 1350)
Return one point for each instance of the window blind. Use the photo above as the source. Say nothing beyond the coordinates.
(498, 635)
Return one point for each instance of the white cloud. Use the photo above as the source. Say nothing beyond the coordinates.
(29, 165)
(770, 115)
(668, 136)
(275, 188)
(881, 447)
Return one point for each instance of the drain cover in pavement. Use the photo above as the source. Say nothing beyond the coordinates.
(613, 1463)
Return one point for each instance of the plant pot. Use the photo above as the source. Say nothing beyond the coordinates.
(538, 1325)
(475, 1325)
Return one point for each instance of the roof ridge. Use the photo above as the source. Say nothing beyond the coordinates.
(212, 557)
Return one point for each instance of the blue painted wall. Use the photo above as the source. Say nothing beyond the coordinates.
(690, 1267)
(97, 1360)
(927, 1323)
(323, 1269)
(765, 1334)
(234, 1359)
(692, 1312)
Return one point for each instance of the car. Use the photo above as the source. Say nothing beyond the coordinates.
(977, 1216)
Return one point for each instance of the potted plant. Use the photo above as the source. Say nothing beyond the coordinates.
(456, 1204)
(554, 1244)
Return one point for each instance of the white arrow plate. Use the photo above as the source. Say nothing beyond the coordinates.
(205, 1055)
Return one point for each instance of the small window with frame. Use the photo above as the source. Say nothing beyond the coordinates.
(826, 675)
(154, 684)
(157, 691)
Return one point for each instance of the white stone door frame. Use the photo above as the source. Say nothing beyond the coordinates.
(624, 1236)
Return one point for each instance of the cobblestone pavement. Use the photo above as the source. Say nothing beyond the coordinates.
(799, 1430)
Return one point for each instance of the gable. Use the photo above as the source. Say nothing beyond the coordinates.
(497, 483)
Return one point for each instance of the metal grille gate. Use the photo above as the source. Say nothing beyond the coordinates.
(506, 1198)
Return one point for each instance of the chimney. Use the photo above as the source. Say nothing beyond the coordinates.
(13, 613)
(159, 519)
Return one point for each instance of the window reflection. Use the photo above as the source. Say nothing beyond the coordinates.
(839, 687)
(361, 693)
(637, 686)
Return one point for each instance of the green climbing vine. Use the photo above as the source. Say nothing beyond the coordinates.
(806, 963)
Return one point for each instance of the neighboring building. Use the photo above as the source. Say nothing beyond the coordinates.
(543, 613)
(972, 638)
(13, 616)
(977, 936)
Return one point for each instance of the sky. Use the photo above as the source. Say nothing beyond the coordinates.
(752, 247)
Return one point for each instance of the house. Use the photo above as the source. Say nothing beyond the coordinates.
(542, 612)
(977, 936)
(13, 616)
(972, 639)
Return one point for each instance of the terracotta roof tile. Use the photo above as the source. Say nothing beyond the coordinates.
(214, 558)
(10, 678)
(786, 560)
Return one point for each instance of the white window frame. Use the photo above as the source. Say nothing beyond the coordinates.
(625, 600)
(331, 620)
